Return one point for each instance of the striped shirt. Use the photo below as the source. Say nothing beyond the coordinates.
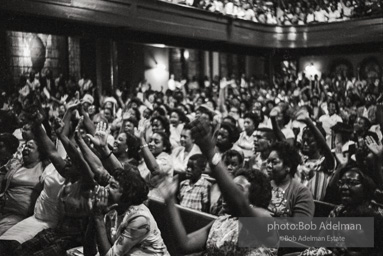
(313, 175)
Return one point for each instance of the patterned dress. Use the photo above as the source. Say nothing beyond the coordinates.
(223, 240)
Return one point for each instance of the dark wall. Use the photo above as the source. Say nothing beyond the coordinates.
(88, 58)
(130, 64)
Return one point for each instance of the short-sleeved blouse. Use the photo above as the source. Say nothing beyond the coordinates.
(164, 160)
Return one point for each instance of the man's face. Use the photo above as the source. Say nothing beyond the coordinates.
(261, 143)
(186, 139)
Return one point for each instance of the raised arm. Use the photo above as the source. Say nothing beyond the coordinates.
(48, 145)
(238, 203)
(78, 160)
(379, 111)
(149, 159)
(92, 159)
(109, 160)
(377, 149)
(186, 243)
(303, 117)
(87, 122)
(277, 130)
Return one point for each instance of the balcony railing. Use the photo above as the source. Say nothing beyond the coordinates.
(162, 19)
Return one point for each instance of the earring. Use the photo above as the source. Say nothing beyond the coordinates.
(126, 150)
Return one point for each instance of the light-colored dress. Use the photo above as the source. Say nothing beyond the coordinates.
(223, 240)
(46, 213)
(22, 188)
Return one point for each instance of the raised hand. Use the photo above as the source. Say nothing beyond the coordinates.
(202, 135)
(100, 138)
(73, 106)
(275, 111)
(375, 147)
(118, 93)
(168, 188)
(58, 125)
(38, 117)
(302, 116)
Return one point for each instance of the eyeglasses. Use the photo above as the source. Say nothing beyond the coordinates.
(348, 183)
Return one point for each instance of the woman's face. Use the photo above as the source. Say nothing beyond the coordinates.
(248, 124)
(331, 109)
(119, 145)
(114, 191)
(351, 188)
(276, 170)
(157, 126)
(129, 127)
(234, 112)
(108, 114)
(309, 144)
(108, 105)
(30, 152)
(174, 119)
(156, 144)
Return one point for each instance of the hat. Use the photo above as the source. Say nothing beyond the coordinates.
(110, 99)
(10, 142)
(88, 98)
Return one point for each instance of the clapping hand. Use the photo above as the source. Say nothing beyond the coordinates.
(100, 138)
(101, 203)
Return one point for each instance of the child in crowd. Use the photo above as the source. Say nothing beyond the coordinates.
(194, 192)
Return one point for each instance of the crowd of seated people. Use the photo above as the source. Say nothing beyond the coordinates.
(78, 164)
(288, 12)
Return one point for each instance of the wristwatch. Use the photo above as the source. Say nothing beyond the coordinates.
(216, 159)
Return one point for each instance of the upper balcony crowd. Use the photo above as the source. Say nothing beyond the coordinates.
(289, 12)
